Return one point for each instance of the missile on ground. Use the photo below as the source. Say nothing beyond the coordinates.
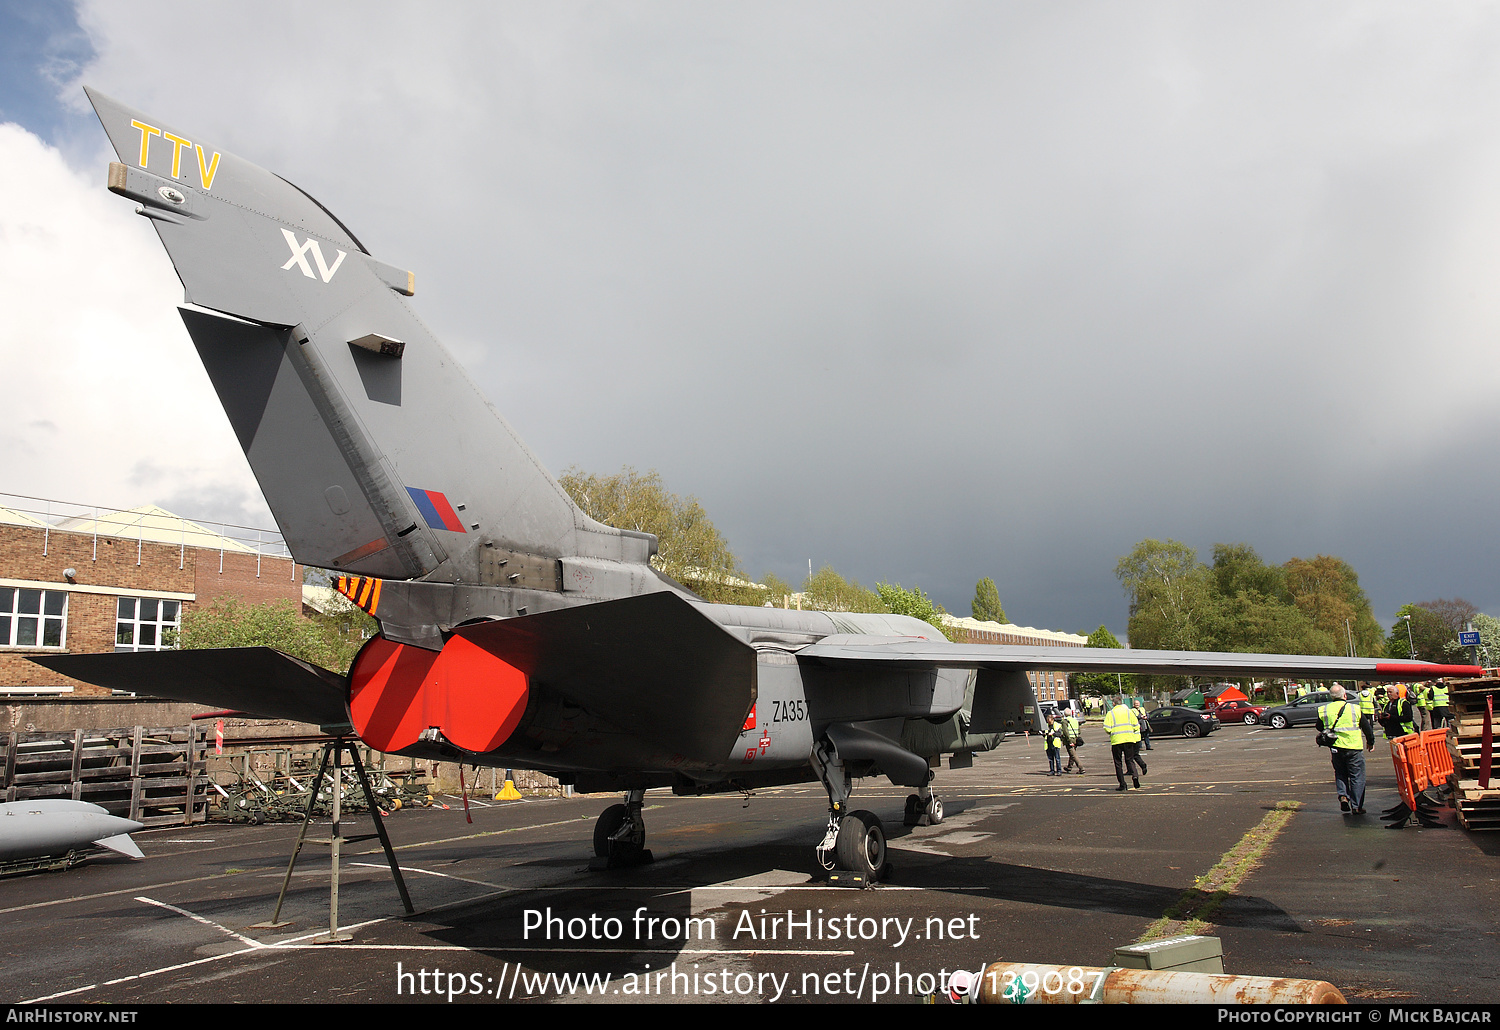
(55, 826)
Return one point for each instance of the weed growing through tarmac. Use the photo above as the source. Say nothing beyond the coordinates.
(1194, 911)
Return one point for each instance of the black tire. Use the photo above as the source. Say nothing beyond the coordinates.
(861, 844)
(1278, 721)
(1251, 718)
(610, 821)
(1192, 729)
(912, 816)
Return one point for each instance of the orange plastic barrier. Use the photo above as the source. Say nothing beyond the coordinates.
(1402, 763)
(1439, 760)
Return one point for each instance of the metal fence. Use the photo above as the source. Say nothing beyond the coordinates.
(146, 524)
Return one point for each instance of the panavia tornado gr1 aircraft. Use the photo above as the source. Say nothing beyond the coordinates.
(515, 631)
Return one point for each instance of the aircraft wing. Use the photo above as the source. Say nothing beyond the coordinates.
(916, 653)
(257, 680)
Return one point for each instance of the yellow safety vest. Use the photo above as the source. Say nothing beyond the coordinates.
(1122, 726)
(1344, 722)
(1440, 696)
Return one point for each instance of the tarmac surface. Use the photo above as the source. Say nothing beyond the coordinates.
(1025, 867)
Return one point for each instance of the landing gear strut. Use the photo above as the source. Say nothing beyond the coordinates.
(853, 845)
(620, 835)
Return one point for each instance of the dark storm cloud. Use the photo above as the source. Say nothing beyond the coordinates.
(935, 292)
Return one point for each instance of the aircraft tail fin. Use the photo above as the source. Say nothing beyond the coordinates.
(365, 435)
(121, 843)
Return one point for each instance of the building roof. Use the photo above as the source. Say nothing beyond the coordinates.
(11, 517)
(158, 525)
(1063, 639)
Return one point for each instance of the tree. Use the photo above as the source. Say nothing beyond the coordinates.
(778, 590)
(986, 604)
(1103, 683)
(900, 601)
(1251, 608)
(1237, 568)
(1455, 613)
(1489, 638)
(689, 548)
(230, 622)
(1307, 606)
(1167, 588)
(1327, 591)
(1434, 641)
(827, 591)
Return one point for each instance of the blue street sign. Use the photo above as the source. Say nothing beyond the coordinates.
(1470, 639)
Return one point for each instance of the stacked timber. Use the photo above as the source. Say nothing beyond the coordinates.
(153, 775)
(1478, 807)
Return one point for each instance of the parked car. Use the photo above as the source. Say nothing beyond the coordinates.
(1239, 711)
(1187, 721)
(1300, 712)
(1060, 708)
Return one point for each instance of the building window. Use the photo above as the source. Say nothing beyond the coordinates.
(146, 624)
(33, 618)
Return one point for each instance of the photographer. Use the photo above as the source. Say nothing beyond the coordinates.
(1348, 734)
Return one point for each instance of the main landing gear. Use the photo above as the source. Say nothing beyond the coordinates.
(620, 835)
(853, 845)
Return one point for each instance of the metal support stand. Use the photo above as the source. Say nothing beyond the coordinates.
(334, 750)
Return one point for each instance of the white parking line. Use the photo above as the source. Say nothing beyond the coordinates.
(197, 918)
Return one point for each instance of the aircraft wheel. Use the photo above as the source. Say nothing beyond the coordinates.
(1251, 718)
(861, 844)
(934, 811)
(913, 814)
(1278, 721)
(610, 821)
(1191, 729)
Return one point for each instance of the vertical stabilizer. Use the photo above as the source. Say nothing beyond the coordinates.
(375, 451)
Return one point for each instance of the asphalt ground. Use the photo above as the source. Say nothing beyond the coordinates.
(1025, 867)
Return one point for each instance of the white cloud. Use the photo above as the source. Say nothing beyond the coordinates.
(1209, 272)
(105, 401)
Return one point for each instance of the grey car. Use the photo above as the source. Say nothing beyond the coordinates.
(1301, 712)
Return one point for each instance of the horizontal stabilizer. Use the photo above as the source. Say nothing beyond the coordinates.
(653, 665)
(258, 680)
(122, 843)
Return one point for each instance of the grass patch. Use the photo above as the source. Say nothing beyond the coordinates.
(1194, 911)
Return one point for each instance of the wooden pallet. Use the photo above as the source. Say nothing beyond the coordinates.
(154, 775)
(1466, 698)
(1466, 753)
(1478, 807)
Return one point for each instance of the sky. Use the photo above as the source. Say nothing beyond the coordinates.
(928, 292)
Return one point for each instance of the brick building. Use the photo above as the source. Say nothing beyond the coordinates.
(1049, 686)
(78, 580)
